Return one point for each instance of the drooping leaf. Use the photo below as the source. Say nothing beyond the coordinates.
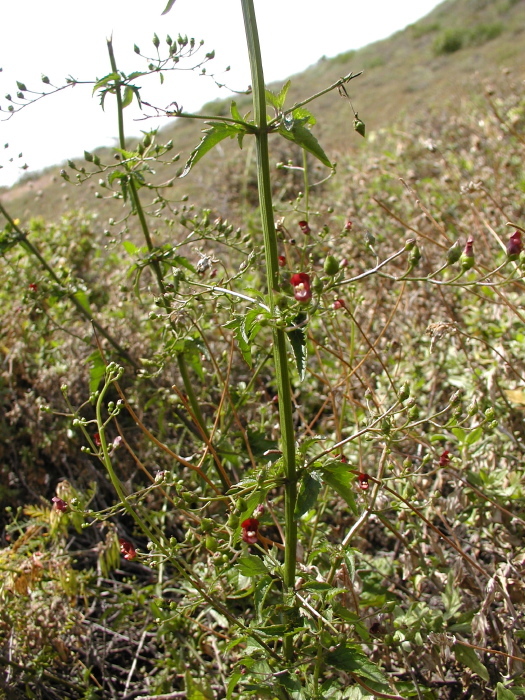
(250, 566)
(303, 137)
(128, 96)
(340, 479)
(468, 657)
(110, 77)
(308, 493)
(297, 338)
(217, 133)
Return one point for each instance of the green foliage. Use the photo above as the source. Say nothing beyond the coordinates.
(138, 362)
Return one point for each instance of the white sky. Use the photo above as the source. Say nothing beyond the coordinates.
(68, 37)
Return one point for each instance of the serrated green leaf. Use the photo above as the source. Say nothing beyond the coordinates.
(250, 565)
(468, 657)
(303, 116)
(308, 493)
(217, 133)
(303, 137)
(238, 326)
(130, 248)
(297, 338)
(97, 370)
(110, 77)
(503, 693)
(340, 479)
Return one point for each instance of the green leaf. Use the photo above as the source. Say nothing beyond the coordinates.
(238, 326)
(303, 137)
(168, 7)
(197, 690)
(340, 479)
(234, 679)
(468, 657)
(97, 370)
(308, 492)
(83, 300)
(128, 97)
(303, 116)
(130, 248)
(109, 78)
(250, 565)
(235, 112)
(217, 133)
(503, 693)
(297, 338)
(349, 658)
(474, 436)
(278, 101)
(353, 619)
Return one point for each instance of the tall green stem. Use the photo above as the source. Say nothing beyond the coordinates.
(272, 274)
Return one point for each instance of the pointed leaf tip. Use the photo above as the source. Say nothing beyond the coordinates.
(168, 7)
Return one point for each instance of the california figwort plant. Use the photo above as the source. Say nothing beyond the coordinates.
(289, 420)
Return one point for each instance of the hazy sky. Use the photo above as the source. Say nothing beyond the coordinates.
(68, 37)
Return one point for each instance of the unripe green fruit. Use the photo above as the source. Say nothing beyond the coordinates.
(331, 265)
(211, 543)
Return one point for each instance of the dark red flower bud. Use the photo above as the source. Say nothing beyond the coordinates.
(305, 228)
(339, 304)
(127, 549)
(33, 287)
(301, 287)
(59, 504)
(343, 263)
(250, 529)
(282, 260)
(343, 459)
(515, 245)
(96, 439)
(363, 481)
(444, 459)
(259, 510)
(348, 226)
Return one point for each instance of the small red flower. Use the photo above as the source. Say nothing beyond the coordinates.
(33, 287)
(343, 459)
(305, 228)
(127, 549)
(96, 439)
(515, 245)
(281, 260)
(363, 481)
(250, 528)
(338, 304)
(344, 263)
(59, 504)
(444, 459)
(301, 287)
(348, 226)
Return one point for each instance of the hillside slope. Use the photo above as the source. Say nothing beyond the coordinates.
(430, 65)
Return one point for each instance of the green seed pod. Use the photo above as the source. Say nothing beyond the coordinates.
(211, 543)
(359, 126)
(233, 520)
(454, 253)
(207, 525)
(331, 265)
(414, 257)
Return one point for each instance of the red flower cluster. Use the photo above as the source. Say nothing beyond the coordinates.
(250, 530)
(301, 287)
(127, 549)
